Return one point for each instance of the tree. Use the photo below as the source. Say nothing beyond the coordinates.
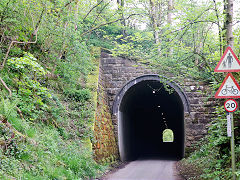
(169, 20)
(156, 21)
(121, 4)
(228, 23)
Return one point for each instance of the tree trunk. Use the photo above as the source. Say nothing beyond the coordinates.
(123, 21)
(153, 14)
(219, 28)
(169, 21)
(228, 22)
(170, 8)
(198, 49)
(76, 14)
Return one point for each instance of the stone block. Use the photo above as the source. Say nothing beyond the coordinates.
(203, 121)
(201, 88)
(193, 114)
(120, 60)
(189, 83)
(193, 88)
(197, 138)
(110, 61)
(195, 126)
(105, 55)
(194, 101)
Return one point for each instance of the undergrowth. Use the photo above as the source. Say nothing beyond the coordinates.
(49, 138)
(52, 157)
(212, 158)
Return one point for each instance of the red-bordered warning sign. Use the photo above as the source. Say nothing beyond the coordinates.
(229, 88)
(230, 105)
(228, 62)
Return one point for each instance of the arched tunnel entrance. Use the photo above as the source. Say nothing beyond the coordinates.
(145, 109)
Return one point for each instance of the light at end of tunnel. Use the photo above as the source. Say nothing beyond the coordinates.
(159, 106)
(153, 92)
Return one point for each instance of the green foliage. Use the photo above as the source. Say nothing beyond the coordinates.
(27, 74)
(26, 64)
(168, 135)
(80, 95)
(48, 79)
(135, 46)
(16, 51)
(55, 158)
(7, 108)
(213, 156)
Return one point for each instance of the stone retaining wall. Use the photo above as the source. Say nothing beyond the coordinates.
(115, 72)
(104, 142)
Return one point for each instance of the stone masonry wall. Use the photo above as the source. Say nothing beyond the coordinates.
(105, 147)
(201, 104)
(117, 71)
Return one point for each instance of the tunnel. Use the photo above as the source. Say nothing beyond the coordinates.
(145, 109)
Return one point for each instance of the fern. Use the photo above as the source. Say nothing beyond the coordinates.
(8, 108)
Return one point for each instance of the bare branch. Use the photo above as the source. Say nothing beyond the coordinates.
(236, 23)
(19, 112)
(67, 4)
(107, 23)
(6, 87)
(100, 12)
(19, 42)
(219, 27)
(13, 129)
(10, 94)
(92, 9)
(38, 23)
(207, 64)
(9, 48)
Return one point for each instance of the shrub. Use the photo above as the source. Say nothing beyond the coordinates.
(79, 95)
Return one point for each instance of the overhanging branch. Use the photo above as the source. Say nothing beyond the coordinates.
(107, 23)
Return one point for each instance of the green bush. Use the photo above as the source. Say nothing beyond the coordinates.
(51, 158)
(79, 95)
(213, 159)
(47, 79)
(7, 108)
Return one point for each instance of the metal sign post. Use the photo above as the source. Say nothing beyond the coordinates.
(230, 117)
(229, 89)
(231, 106)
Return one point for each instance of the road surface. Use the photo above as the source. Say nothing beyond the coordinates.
(146, 170)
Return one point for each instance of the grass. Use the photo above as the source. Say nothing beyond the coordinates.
(51, 158)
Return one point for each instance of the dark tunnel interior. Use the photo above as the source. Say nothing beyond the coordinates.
(143, 110)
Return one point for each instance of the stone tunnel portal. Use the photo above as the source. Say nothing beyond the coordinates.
(145, 110)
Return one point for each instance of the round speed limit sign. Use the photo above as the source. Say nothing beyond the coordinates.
(231, 105)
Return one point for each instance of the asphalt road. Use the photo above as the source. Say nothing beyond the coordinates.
(146, 170)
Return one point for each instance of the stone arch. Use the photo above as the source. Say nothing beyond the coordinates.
(118, 108)
(155, 77)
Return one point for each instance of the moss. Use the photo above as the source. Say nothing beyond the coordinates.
(105, 148)
(92, 83)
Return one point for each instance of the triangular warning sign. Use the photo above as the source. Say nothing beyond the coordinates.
(229, 88)
(228, 62)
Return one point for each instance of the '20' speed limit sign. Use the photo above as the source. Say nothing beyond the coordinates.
(231, 105)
